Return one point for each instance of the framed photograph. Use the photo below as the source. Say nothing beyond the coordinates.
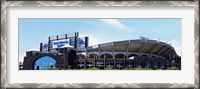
(100, 44)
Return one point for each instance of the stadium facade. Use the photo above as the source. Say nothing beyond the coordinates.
(72, 52)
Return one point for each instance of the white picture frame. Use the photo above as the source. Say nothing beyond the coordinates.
(137, 4)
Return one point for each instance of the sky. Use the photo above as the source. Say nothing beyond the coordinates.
(34, 31)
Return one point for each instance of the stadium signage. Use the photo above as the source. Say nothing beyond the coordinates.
(60, 43)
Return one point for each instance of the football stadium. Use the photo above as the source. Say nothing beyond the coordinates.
(71, 52)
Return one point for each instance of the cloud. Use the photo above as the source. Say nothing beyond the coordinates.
(176, 45)
(115, 23)
(109, 23)
(92, 23)
(93, 41)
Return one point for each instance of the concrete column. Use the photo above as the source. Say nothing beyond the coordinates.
(41, 48)
(104, 63)
(125, 60)
(134, 61)
(85, 63)
(114, 60)
(49, 44)
(86, 57)
(66, 58)
(94, 61)
(99, 51)
(139, 54)
(64, 61)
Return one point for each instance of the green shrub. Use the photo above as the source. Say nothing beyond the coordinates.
(53, 68)
(93, 68)
(148, 68)
(108, 68)
(126, 68)
(172, 68)
(129, 68)
(159, 69)
(139, 68)
(132, 68)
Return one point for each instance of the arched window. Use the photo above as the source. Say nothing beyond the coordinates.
(153, 57)
(93, 56)
(132, 56)
(146, 62)
(144, 56)
(120, 55)
(81, 56)
(106, 55)
(162, 63)
(44, 63)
